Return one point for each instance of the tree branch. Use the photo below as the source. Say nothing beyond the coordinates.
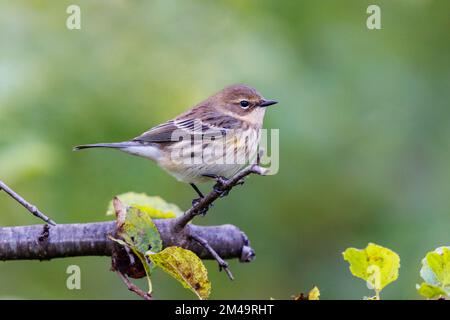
(33, 209)
(222, 188)
(222, 263)
(39, 242)
(71, 240)
(134, 288)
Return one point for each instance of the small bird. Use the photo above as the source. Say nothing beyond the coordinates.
(214, 139)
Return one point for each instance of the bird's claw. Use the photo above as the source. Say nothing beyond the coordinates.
(220, 183)
(218, 188)
(195, 201)
(219, 179)
(204, 210)
(201, 211)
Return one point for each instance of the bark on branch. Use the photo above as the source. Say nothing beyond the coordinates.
(221, 189)
(41, 242)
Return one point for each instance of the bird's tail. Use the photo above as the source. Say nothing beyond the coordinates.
(114, 145)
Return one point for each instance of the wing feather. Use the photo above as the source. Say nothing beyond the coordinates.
(192, 123)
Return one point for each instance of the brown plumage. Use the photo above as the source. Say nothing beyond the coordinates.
(229, 120)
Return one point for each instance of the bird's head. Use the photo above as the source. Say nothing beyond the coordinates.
(241, 101)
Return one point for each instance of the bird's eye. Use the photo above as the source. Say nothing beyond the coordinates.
(244, 104)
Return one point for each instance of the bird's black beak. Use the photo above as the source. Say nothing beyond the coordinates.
(266, 103)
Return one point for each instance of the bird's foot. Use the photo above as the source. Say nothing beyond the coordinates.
(201, 211)
(196, 201)
(220, 183)
(218, 187)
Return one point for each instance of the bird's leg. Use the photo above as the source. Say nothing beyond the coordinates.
(197, 200)
(197, 190)
(220, 182)
(200, 194)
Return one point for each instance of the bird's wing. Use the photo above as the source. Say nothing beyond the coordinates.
(213, 123)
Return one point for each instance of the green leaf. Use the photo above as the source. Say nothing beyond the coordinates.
(435, 272)
(430, 291)
(141, 258)
(375, 264)
(186, 267)
(139, 233)
(155, 207)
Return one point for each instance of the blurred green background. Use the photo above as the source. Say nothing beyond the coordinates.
(364, 121)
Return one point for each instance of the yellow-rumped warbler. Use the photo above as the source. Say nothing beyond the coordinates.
(214, 139)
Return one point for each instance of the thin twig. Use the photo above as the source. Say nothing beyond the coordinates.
(222, 263)
(224, 188)
(33, 209)
(134, 288)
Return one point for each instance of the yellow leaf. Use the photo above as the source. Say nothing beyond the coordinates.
(155, 207)
(430, 291)
(375, 264)
(439, 263)
(314, 294)
(186, 267)
(435, 272)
